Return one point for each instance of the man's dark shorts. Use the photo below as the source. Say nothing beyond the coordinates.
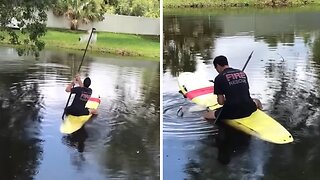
(76, 112)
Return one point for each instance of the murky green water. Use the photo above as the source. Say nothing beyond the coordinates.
(283, 73)
(121, 142)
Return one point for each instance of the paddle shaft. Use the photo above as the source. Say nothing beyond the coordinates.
(244, 67)
(84, 54)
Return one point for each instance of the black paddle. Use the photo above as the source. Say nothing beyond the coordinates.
(84, 54)
(244, 67)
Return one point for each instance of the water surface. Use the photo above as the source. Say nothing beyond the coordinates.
(283, 73)
(121, 142)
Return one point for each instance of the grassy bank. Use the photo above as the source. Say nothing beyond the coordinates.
(236, 11)
(236, 3)
(120, 44)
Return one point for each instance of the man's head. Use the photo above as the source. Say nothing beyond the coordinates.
(220, 63)
(87, 82)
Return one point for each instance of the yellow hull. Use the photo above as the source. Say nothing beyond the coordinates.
(259, 124)
(73, 123)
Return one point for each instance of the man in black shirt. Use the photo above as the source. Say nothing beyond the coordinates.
(232, 89)
(82, 95)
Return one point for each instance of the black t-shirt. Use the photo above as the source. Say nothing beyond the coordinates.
(233, 84)
(83, 94)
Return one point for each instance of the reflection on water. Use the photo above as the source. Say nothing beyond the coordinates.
(76, 139)
(121, 142)
(20, 115)
(283, 73)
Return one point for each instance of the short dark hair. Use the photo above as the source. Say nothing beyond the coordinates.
(221, 60)
(87, 82)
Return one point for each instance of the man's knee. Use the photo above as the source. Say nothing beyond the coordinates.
(209, 115)
(93, 111)
(258, 103)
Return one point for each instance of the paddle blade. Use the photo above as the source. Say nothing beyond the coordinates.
(197, 108)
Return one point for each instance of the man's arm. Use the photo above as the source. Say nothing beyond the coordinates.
(78, 79)
(220, 99)
(69, 87)
(218, 90)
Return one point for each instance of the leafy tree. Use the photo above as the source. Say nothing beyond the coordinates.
(77, 11)
(30, 18)
(147, 8)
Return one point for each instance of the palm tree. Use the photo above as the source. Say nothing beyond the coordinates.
(80, 11)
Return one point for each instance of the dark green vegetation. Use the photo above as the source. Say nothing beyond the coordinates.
(32, 16)
(147, 8)
(77, 11)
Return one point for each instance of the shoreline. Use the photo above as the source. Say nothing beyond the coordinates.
(245, 10)
(237, 3)
(127, 45)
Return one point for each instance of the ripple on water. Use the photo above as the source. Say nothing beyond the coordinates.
(191, 125)
(52, 65)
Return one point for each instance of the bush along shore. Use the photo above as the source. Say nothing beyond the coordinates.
(113, 43)
(237, 3)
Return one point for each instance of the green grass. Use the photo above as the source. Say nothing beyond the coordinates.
(120, 44)
(235, 3)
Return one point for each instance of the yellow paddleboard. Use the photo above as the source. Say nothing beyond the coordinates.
(73, 123)
(261, 125)
(198, 90)
(258, 124)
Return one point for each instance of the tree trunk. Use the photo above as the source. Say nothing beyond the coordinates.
(74, 24)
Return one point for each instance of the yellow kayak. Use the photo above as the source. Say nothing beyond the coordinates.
(73, 123)
(258, 124)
